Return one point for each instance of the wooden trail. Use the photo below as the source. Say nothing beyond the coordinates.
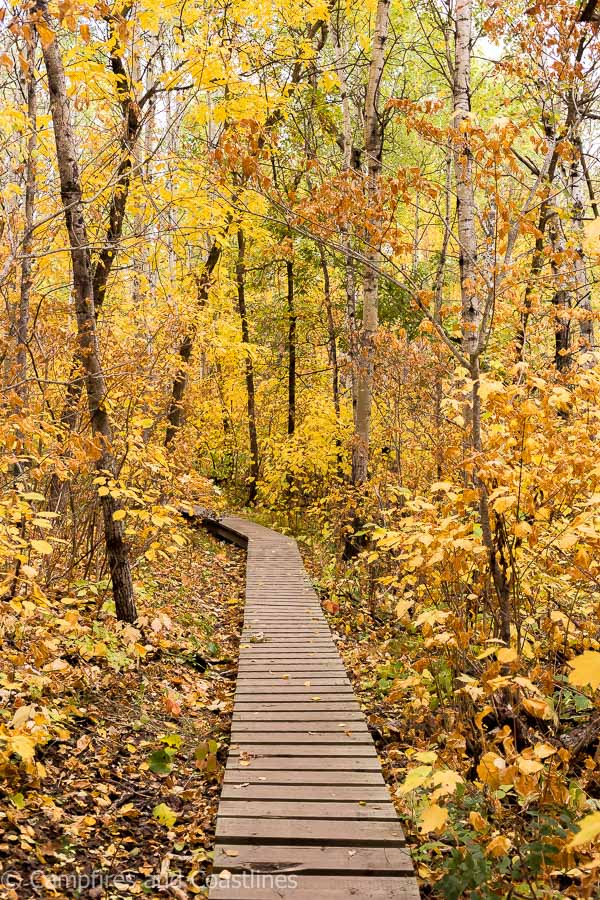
(304, 812)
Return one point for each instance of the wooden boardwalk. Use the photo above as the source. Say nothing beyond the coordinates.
(304, 812)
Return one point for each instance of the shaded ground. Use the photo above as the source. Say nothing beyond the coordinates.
(137, 727)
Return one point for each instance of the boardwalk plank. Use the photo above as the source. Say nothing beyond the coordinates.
(305, 725)
(303, 777)
(319, 887)
(317, 761)
(382, 811)
(314, 860)
(310, 831)
(311, 793)
(303, 797)
(299, 750)
(313, 736)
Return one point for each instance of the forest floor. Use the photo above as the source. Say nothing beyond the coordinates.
(132, 731)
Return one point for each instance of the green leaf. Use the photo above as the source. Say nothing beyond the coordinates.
(160, 762)
(18, 800)
(172, 740)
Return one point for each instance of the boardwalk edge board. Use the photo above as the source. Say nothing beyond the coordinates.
(304, 812)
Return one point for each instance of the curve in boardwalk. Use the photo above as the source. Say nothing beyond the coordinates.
(304, 812)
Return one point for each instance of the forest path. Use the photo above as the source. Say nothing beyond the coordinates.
(304, 811)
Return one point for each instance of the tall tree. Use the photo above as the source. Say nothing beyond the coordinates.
(373, 152)
(67, 154)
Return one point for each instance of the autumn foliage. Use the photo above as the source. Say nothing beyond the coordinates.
(338, 264)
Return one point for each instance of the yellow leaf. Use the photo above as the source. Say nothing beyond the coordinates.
(589, 829)
(42, 547)
(402, 608)
(491, 768)
(585, 669)
(503, 503)
(103, 491)
(426, 756)
(433, 819)
(23, 745)
(529, 766)
(543, 750)
(477, 822)
(118, 515)
(416, 778)
(507, 655)
(522, 529)
(46, 34)
(164, 814)
(498, 846)
(539, 709)
(445, 782)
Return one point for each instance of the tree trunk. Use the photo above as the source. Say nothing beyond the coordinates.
(561, 299)
(240, 273)
(95, 384)
(22, 324)
(493, 540)
(351, 162)
(132, 124)
(292, 318)
(175, 412)
(537, 261)
(472, 318)
(471, 311)
(365, 349)
(331, 335)
(438, 392)
(583, 290)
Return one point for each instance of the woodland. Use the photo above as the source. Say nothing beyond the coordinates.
(333, 266)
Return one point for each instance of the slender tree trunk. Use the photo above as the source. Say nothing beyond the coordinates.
(22, 324)
(583, 290)
(132, 123)
(438, 392)
(351, 162)
(537, 261)
(71, 193)
(472, 317)
(365, 350)
(492, 539)
(240, 273)
(331, 334)
(471, 314)
(561, 299)
(292, 319)
(175, 412)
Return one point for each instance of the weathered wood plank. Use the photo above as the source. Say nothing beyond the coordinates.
(243, 736)
(298, 750)
(313, 860)
(312, 793)
(295, 696)
(316, 887)
(339, 707)
(305, 777)
(242, 723)
(290, 683)
(316, 762)
(348, 719)
(381, 811)
(335, 832)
